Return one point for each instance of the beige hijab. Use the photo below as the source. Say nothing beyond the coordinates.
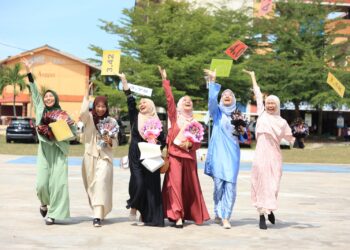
(149, 114)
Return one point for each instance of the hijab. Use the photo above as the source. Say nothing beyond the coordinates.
(227, 110)
(56, 105)
(95, 117)
(148, 114)
(183, 116)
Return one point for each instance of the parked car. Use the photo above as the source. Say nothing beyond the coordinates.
(205, 140)
(21, 129)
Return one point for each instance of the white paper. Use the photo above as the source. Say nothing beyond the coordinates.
(177, 142)
(152, 164)
(140, 90)
(149, 150)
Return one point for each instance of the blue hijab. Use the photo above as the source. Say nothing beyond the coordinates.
(227, 110)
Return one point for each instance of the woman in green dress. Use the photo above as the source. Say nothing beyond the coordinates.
(52, 159)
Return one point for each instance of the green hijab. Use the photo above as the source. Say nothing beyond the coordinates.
(56, 105)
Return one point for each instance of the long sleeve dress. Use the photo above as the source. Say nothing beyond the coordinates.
(182, 194)
(223, 157)
(52, 166)
(267, 163)
(97, 167)
(144, 186)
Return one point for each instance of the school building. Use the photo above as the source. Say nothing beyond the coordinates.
(52, 69)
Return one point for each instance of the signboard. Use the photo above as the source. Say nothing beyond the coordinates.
(140, 90)
(340, 122)
(335, 84)
(110, 62)
(265, 7)
(222, 67)
(236, 50)
(308, 119)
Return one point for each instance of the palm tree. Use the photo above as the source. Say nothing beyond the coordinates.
(12, 77)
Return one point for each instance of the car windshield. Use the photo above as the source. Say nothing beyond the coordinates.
(20, 122)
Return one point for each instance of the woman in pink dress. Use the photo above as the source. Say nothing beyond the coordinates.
(182, 194)
(271, 128)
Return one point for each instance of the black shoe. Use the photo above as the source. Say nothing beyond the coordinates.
(271, 218)
(50, 221)
(179, 225)
(96, 222)
(262, 223)
(43, 212)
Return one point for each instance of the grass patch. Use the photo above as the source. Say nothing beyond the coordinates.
(21, 148)
(336, 153)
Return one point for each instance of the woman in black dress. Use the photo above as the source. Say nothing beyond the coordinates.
(144, 186)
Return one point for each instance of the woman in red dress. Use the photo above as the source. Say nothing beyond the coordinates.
(182, 194)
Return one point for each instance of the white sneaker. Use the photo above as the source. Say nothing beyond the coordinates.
(140, 222)
(226, 224)
(132, 215)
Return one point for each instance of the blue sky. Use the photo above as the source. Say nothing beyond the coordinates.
(68, 25)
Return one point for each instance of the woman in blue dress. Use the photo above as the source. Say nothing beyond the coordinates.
(223, 156)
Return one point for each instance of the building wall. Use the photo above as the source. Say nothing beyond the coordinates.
(65, 76)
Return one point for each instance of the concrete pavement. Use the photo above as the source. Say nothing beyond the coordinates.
(313, 214)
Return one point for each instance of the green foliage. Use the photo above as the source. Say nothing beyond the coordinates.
(10, 76)
(301, 54)
(182, 39)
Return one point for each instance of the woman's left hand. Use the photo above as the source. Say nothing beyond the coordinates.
(107, 140)
(186, 145)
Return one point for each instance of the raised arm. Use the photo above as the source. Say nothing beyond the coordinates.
(214, 89)
(133, 112)
(84, 111)
(257, 92)
(36, 97)
(172, 112)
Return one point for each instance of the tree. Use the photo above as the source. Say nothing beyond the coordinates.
(11, 77)
(301, 51)
(182, 39)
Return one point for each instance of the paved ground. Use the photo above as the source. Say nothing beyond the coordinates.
(313, 214)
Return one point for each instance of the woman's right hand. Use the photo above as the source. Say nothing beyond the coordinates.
(162, 73)
(88, 86)
(210, 74)
(27, 64)
(124, 81)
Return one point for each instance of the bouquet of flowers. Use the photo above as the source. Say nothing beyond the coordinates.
(107, 127)
(151, 130)
(51, 117)
(56, 115)
(194, 132)
(239, 121)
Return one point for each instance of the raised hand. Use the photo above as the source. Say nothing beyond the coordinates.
(251, 73)
(88, 86)
(124, 81)
(210, 74)
(162, 73)
(27, 64)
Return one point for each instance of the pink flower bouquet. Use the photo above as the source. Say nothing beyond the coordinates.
(194, 132)
(151, 130)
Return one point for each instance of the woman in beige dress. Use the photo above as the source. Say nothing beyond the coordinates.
(97, 169)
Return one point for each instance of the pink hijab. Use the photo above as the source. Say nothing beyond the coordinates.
(183, 117)
(273, 124)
